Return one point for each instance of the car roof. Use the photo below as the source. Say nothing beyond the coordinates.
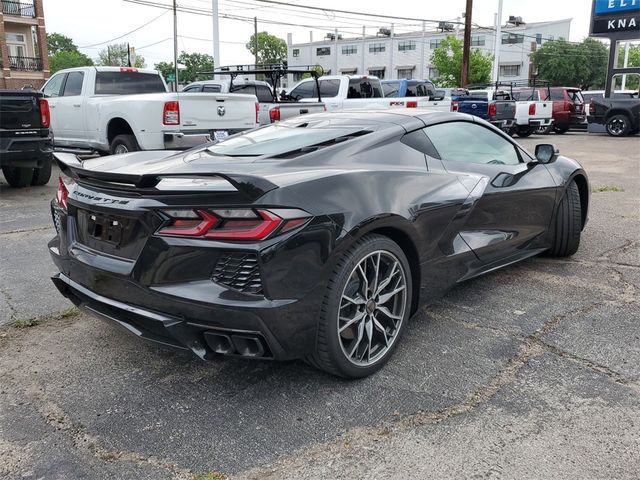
(406, 116)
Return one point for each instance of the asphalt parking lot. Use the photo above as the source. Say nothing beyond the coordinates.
(529, 372)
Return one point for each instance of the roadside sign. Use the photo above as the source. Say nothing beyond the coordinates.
(171, 77)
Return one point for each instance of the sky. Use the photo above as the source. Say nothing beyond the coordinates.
(93, 24)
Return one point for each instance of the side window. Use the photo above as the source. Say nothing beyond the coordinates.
(264, 94)
(73, 85)
(210, 88)
(53, 86)
(419, 141)
(390, 89)
(471, 143)
(192, 88)
(329, 88)
(557, 94)
(304, 90)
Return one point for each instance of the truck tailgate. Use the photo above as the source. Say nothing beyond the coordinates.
(206, 111)
(505, 110)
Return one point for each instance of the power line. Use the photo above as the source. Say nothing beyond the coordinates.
(124, 34)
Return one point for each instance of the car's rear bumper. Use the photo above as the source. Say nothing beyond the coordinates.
(540, 122)
(25, 152)
(503, 124)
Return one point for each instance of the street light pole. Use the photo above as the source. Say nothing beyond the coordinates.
(255, 38)
(216, 34)
(466, 47)
(175, 46)
(496, 44)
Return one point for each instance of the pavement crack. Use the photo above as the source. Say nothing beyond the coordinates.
(9, 302)
(27, 230)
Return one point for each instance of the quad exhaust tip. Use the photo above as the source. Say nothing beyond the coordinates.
(244, 345)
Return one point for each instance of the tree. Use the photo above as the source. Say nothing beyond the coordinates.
(116, 55)
(633, 81)
(271, 49)
(567, 64)
(56, 42)
(194, 63)
(64, 59)
(447, 58)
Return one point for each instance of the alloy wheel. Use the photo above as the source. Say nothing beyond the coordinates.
(372, 308)
(120, 148)
(616, 126)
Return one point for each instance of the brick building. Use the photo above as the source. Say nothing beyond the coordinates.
(23, 44)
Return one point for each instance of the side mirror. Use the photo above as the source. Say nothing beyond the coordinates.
(546, 153)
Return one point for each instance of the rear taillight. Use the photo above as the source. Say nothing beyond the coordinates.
(257, 112)
(128, 69)
(45, 114)
(532, 109)
(62, 195)
(454, 106)
(493, 110)
(232, 224)
(274, 114)
(171, 113)
(592, 109)
(412, 104)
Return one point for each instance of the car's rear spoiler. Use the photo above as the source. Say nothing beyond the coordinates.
(251, 186)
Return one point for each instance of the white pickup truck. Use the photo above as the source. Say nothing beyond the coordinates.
(122, 109)
(340, 92)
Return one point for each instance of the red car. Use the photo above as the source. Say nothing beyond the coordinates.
(568, 108)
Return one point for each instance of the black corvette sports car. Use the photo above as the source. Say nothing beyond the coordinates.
(314, 238)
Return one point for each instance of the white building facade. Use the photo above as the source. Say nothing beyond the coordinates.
(408, 55)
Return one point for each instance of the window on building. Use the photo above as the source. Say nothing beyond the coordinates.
(511, 38)
(349, 49)
(296, 52)
(406, 45)
(539, 38)
(16, 44)
(509, 70)
(323, 51)
(433, 72)
(377, 72)
(477, 40)
(435, 43)
(348, 71)
(406, 73)
(377, 47)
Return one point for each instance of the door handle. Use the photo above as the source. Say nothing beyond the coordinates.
(77, 105)
(52, 106)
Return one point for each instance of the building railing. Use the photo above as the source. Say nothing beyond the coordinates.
(17, 8)
(25, 64)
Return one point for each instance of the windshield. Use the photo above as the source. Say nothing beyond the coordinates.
(276, 139)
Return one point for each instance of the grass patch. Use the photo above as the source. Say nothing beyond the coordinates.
(31, 322)
(210, 476)
(70, 312)
(607, 188)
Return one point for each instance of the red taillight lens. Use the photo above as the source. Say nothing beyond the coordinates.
(128, 69)
(232, 224)
(454, 106)
(532, 109)
(257, 112)
(171, 113)
(412, 104)
(45, 114)
(274, 114)
(62, 195)
(493, 110)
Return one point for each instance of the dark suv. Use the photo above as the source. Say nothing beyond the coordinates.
(568, 108)
(26, 143)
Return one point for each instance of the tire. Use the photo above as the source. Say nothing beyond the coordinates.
(342, 339)
(561, 130)
(524, 132)
(544, 130)
(634, 131)
(568, 223)
(18, 177)
(123, 144)
(42, 175)
(618, 125)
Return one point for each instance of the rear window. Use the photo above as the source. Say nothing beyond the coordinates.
(557, 94)
(277, 139)
(391, 89)
(127, 83)
(11, 104)
(419, 90)
(364, 88)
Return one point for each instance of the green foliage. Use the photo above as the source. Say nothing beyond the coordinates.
(271, 49)
(56, 42)
(447, 58)
(116, 55)
(633, 81)
(63, 59)
(195, 63)
(607, 188)
(567, 64)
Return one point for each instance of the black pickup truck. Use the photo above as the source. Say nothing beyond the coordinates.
(26, 144)
(620, 116)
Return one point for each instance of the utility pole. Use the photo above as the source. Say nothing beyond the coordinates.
(497, 44)
(216, 34)
(128, 55)
(424, 28)
(335, 40)
(364, 34)
(391, 73)
(175, 46)
(255, 38)
(466, 47)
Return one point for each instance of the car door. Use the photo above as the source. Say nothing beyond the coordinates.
(512, 207)
(70, 109)
(52, 90)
